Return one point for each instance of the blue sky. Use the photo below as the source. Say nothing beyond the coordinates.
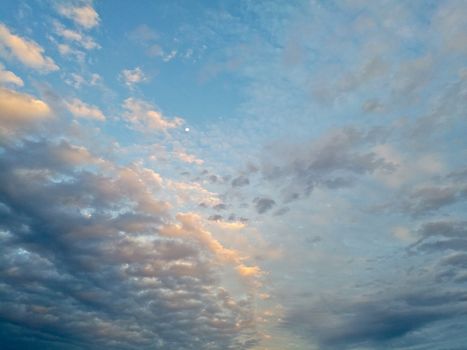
(233, 175)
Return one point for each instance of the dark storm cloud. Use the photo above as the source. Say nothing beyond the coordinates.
(82, 265)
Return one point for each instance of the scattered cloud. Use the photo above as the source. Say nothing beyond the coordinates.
(263, 205)
(143, 117)
(24, 50)
(77, 81)
(9, 78)
(82, 110)
(133, 76)
(18, 110)
(84, 16)
(80, 39)
(67, 50)
(240, 181)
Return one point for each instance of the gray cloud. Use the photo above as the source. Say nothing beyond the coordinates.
(83, 266)
(240, 181)
(428, 199)
(333, 161)
(263, 205)
(376, 322)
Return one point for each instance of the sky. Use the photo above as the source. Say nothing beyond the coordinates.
(249, 174)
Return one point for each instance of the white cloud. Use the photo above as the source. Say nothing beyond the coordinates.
(77, 80)
(8, 77)
(187, 158)
(26, 51)
(67, 50)
(17, 110)
(82, 110)
(142, 116)
(71, 35)
(84, 16)
(133, 76)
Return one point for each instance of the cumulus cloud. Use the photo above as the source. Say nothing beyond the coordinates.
(133, 76)
(18, 110)
(84, 16)
(9, 78)
(82, 110)
(24, 50)
(143, 117)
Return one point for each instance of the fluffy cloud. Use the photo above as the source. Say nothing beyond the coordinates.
(18, 110)
(26, 51)
(8, 77)
(133, 76)
(91, 257)
(142, 116)
(84, 16)
(82, 110)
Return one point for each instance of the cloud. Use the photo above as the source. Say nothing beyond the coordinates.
(433, 196)
(192, 193)
(67, 50)
(249, 271)
(133, 76)
(26, 51)
(142, 116)
(333, 160)
(77, 80)
(187, 158)
(82, 110)
(18, 110)
(84, 16)
(73, 36)
(263, 205)
(240, 181)
(91, 257)
(376, 321)
(143, 34)
(9, 78)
